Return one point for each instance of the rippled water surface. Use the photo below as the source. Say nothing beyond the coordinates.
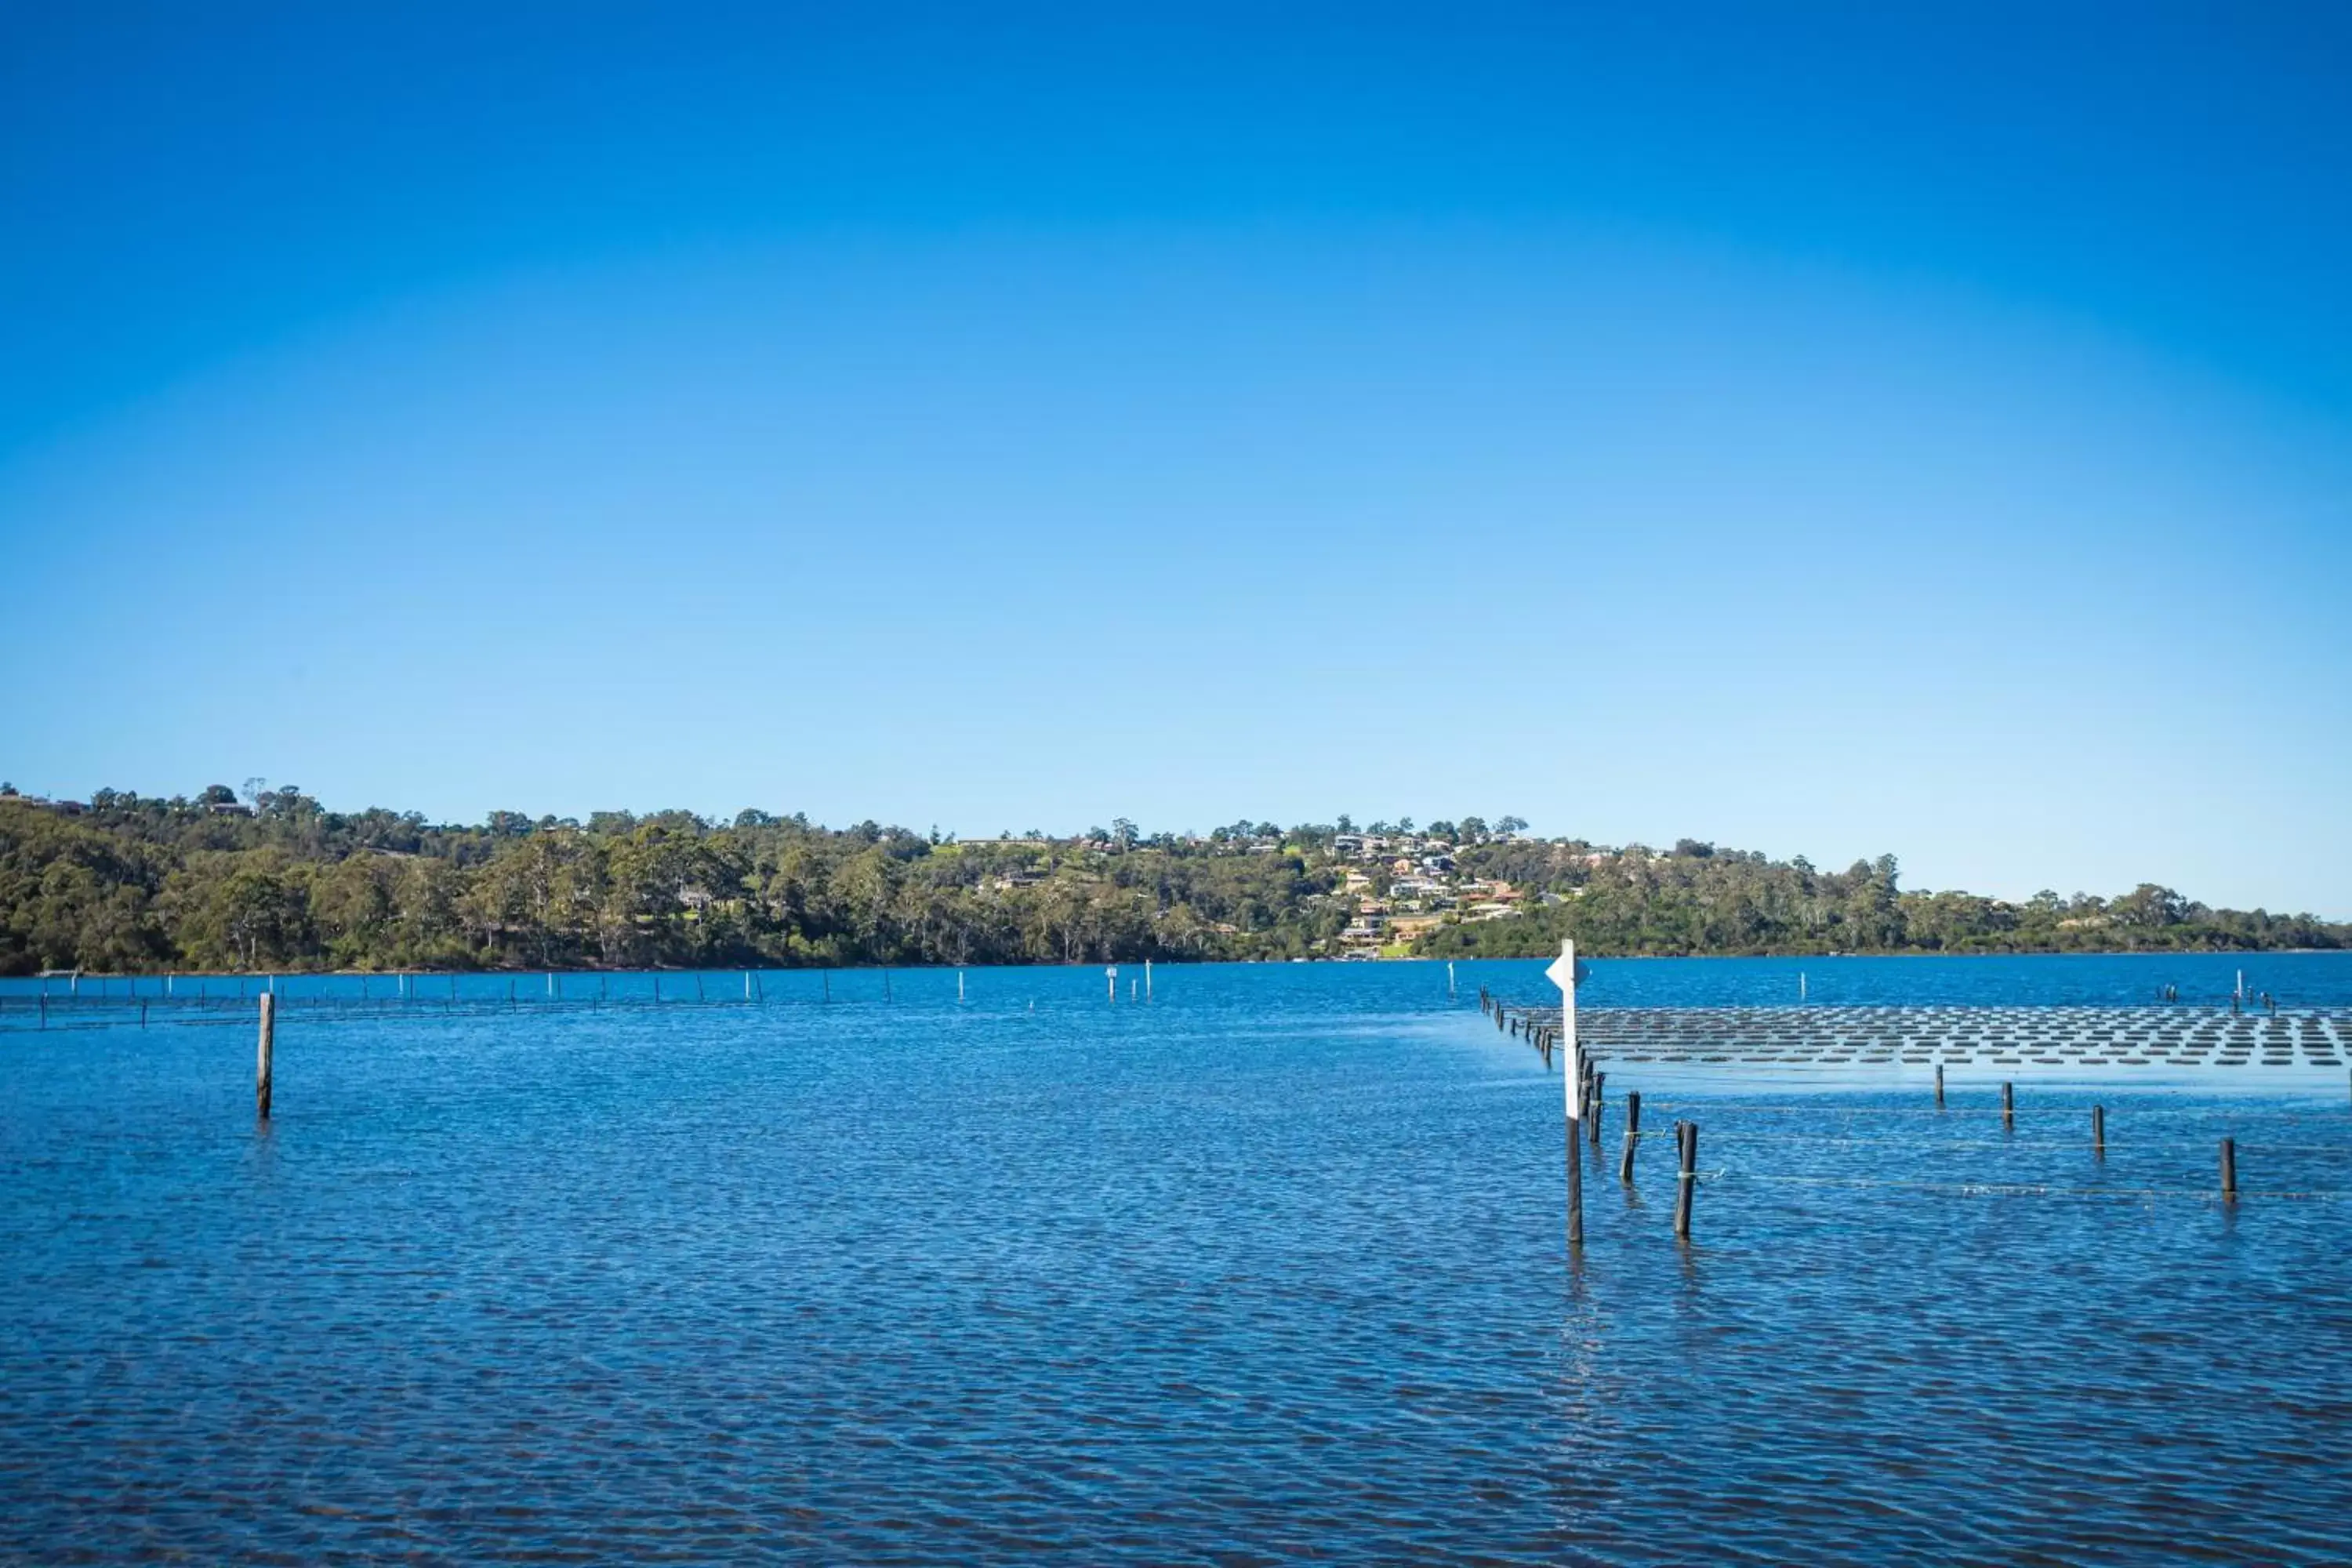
(1270, 1267)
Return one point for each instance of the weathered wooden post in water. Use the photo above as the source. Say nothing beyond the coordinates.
(2099, 1130)
(1564, 972)
(1687, 1184)
(1110, 980)
(2229, 1170)
(1633, 1137)
(261, 1064)
(1939, 1086)
(2008, 1109)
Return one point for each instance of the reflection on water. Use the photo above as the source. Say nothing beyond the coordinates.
(1274, 1268)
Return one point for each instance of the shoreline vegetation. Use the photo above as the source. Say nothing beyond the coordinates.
(269, 880)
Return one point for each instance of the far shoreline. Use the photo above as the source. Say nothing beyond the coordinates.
(293, 972)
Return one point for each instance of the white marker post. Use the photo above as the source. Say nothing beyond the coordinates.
(1563, 974)
(1147, 980)
(1111, 978)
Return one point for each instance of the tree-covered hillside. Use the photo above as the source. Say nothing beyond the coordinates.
(127, 883)
(1699, 899)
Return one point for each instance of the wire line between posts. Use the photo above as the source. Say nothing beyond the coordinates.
(2055, 1144)
(2206, 1112)
(2030, 1189)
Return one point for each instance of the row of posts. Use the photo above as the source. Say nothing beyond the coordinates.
(2229, 1150)
(754, 988)
(1588, 1090)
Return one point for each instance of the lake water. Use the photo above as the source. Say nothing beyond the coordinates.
(1269, 1268)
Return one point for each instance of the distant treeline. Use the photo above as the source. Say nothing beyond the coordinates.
(1699, 898)
(132, 883)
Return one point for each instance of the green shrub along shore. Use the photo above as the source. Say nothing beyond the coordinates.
(125, 883)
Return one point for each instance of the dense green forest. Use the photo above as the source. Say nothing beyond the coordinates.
(1699, 898)
(128, 883)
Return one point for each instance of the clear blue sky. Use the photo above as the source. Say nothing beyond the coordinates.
(1841, 430)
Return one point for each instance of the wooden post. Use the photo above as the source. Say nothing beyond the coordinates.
(1633, 1137)
(958, 984)
(2229, 1169)
(1687, 1184)
(747, 985)
(2099, 1130)
(827, 977)
(261, 1065)
(2008, 1109)
(1147, 980)
(697, 986)
(657, 987)
(1939, 1086)
(1575, 1192)
(1597, 1079)
(886, 986)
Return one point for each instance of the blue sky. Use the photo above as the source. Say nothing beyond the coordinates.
(1826, 432)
